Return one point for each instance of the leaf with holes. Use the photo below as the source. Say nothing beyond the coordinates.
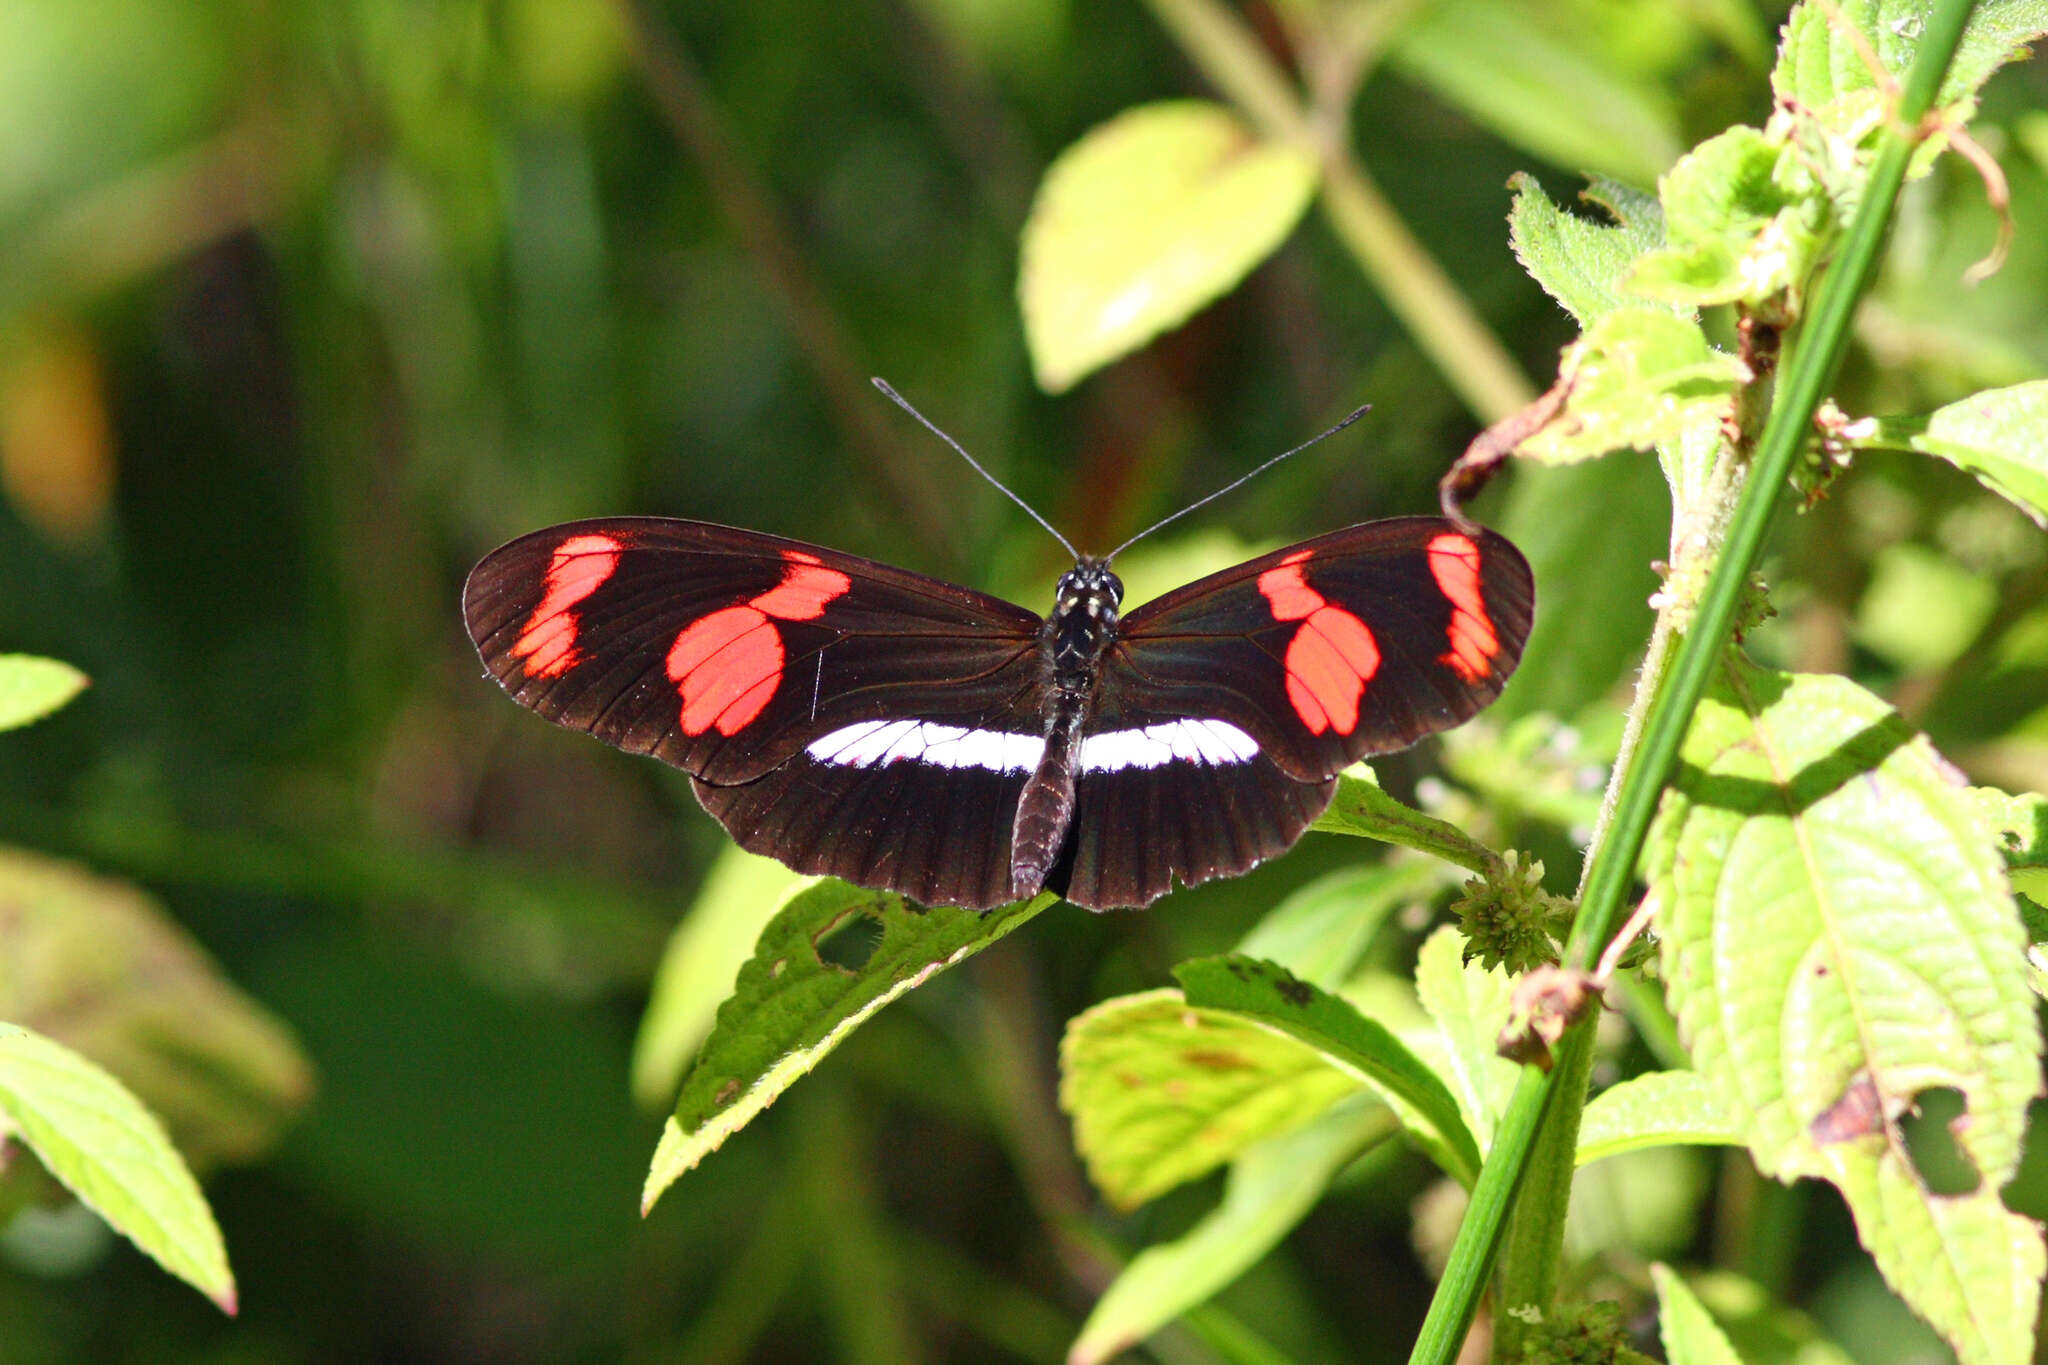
(793, 1003)
(91, 1133)
(1271, 1188)
(1144, 221)
(1837, 936)
(1581, 263)
(2000, 435)
(1162, 1092)
(742, 892)
(33, 687)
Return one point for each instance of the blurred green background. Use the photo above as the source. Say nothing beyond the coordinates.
(304, 307)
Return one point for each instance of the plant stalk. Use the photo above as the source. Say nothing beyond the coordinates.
(1809, 368)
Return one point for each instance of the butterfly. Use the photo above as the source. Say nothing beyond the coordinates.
(873, 724)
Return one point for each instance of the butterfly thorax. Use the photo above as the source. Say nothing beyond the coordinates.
(1076, 636)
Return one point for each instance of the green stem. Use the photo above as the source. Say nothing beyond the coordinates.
(1809, 368)
(1421, 296)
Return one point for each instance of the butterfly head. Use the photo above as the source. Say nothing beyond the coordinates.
(1090, 589)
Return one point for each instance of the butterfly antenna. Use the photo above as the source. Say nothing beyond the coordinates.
(1236, 482)
(900, 401)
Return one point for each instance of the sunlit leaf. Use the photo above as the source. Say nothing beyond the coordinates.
(1658, 1109)
(792, 1004)
(32, 687)
(1837, 936)
(91, 1133)
(1270, 1188)
(1467, 1005)
(1367, 1049)
(1688, 1331)
(1162, 1092)
(2000, 435)
(740, 895)
(1582, 263)
(1363, 809)
(1144, 221)
(1639, 376)
(1744, 220)
(1824, 62)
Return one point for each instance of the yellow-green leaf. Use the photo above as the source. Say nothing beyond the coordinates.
(32, 687)
(1144, 221)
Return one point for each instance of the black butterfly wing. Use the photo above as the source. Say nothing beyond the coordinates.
(1228, 706)
(844, 716)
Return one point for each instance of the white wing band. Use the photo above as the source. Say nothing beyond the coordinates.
(1212, 742)
(874, 743)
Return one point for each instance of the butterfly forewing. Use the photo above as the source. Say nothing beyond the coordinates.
(726, 652)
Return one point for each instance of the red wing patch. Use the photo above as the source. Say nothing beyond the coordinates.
(1454, 562)
(580, 566)
(727, 665)
(1332, 656)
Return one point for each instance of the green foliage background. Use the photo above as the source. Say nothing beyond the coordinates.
(303, 308)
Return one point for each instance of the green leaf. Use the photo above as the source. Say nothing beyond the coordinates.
(1320, 931)
(1639, 376)
(740, 895)
(32, 687)
(1468, 1005)
(1363, 809)
(1270, 1188)
(95, 1137)
(1745, 223)
(1162, 1092)
(792, 1005)
(98, 966)
(1656, 1109)
(1361, 1046)
(1837, 937)
(1537, 88)
(2000, 435)
(1143, 222)
(1689, 1332)
(1824, 70)
(1581, 263)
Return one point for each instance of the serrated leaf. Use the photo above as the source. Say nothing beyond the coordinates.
(1467, 1004)
(1538, 90)
(1689, 1333)
(1639, 376)
(1321, 930)
(1271, 1187)
(2000, 435)
(791, 1005)
(1825, 70)
(1162, 1092)
(1143, 222)
(99, 966)
(1837, 936)
(1581, 263)
(1363, 1047)
(1362, 809)
(741, 894)
(32, 687)
(1656, 1109)
(92, 1134)
(1744, 221)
